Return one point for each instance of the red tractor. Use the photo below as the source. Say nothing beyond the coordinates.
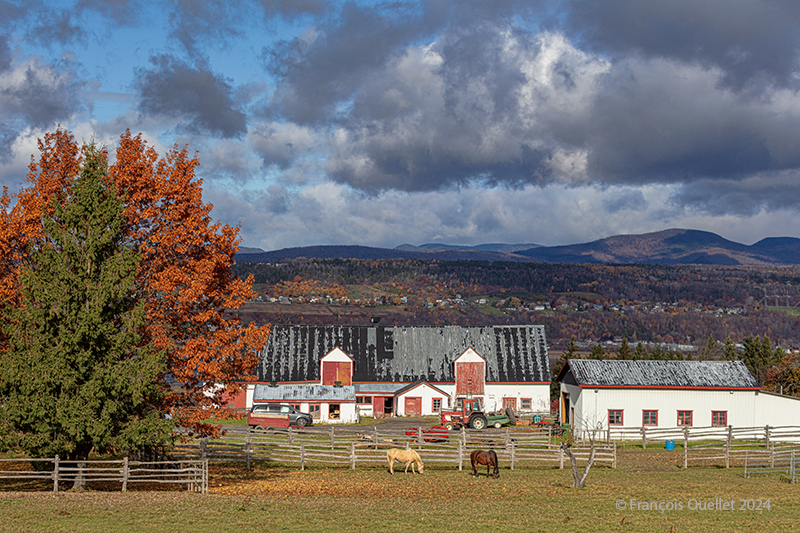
(471, 415)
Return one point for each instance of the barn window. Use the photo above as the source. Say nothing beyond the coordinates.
(525, 404)
(364, 400)
(313, 410)
(649, 418)
(684, 418)
(334, 411)
(719, 418)
(437, 405)
(615, 417)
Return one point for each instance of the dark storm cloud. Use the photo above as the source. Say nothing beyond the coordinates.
(663, 121)
(746, 197)
(752, 41)
(196, 22)
(194, 94)
(321, 71)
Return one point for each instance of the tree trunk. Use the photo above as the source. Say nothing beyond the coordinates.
(579, 481)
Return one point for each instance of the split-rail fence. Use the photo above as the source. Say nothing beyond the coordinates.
(193, 474)
(353, 446)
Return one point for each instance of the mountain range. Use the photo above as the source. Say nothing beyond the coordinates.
(668, 247)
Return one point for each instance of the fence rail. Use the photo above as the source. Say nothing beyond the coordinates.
(354, 446)
(770, 461)
(645, 434)
(191, 473)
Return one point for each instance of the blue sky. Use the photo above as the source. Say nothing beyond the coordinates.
(383, 123)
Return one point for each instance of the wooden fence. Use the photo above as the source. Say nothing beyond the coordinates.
(351, 447)
(191, 473)
(765, 434)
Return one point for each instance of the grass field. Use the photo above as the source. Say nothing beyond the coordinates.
(282, 498)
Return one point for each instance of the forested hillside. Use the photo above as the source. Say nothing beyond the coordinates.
(663, 304)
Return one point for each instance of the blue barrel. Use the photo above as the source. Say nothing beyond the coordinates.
(670, 444)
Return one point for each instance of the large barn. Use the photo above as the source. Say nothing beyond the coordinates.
(599, 394)
(402, 370)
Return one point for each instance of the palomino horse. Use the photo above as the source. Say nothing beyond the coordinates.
(483, 457)
(409, 457)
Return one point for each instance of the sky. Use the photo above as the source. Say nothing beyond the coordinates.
(468, 122)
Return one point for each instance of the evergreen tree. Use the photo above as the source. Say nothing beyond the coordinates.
(624, 351)
(759, 356)
(639, 353)
(570, 353)
(597, 352)
(729, 350)
(710, 351)
(76, 376)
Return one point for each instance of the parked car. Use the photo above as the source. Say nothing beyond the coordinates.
(262, 411)
(434, 434)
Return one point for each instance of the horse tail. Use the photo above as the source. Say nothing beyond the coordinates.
(496, 464)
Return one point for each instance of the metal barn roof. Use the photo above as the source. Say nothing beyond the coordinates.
(297, 393)
(406, 353)
(673, 374)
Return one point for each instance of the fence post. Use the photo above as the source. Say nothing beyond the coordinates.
(352, 455)
(728, 443)
(460, 455)
(506, 439)
(247, 444)
(766, 435)
(302, 456)
(419, 436)
(614, 461)
(560, 458)
(791, 466)
(55, 474)
(686, 447)
(291, 437)
(333, 439)
(644, 437)
(512, 446)
(549, 434)
(125, 474)
(203, 444)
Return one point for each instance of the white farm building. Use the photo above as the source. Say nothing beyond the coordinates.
(338, 373)
(606, 395)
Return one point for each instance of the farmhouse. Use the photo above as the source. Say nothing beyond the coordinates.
(391, 370)
(607, 394)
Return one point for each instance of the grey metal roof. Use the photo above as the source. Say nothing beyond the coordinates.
(406, 353)
(390, 388)
(304, 393)
(722, 374)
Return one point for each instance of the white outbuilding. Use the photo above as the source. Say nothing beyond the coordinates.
(598, 394)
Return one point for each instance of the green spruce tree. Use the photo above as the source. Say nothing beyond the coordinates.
(75, 377)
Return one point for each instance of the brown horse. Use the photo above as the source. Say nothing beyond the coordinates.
(483, 457)
(409, 457)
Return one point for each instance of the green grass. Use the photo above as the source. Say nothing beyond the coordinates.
(283, 498)
(791, 311)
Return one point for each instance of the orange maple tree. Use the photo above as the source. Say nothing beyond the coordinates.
(184, 276)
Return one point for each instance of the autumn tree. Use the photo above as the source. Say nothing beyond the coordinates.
(75, 375)
(183, 277)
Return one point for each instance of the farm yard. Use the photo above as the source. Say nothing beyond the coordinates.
(332, 496)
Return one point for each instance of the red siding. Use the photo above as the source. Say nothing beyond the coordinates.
(333, 371)
(470, 378)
